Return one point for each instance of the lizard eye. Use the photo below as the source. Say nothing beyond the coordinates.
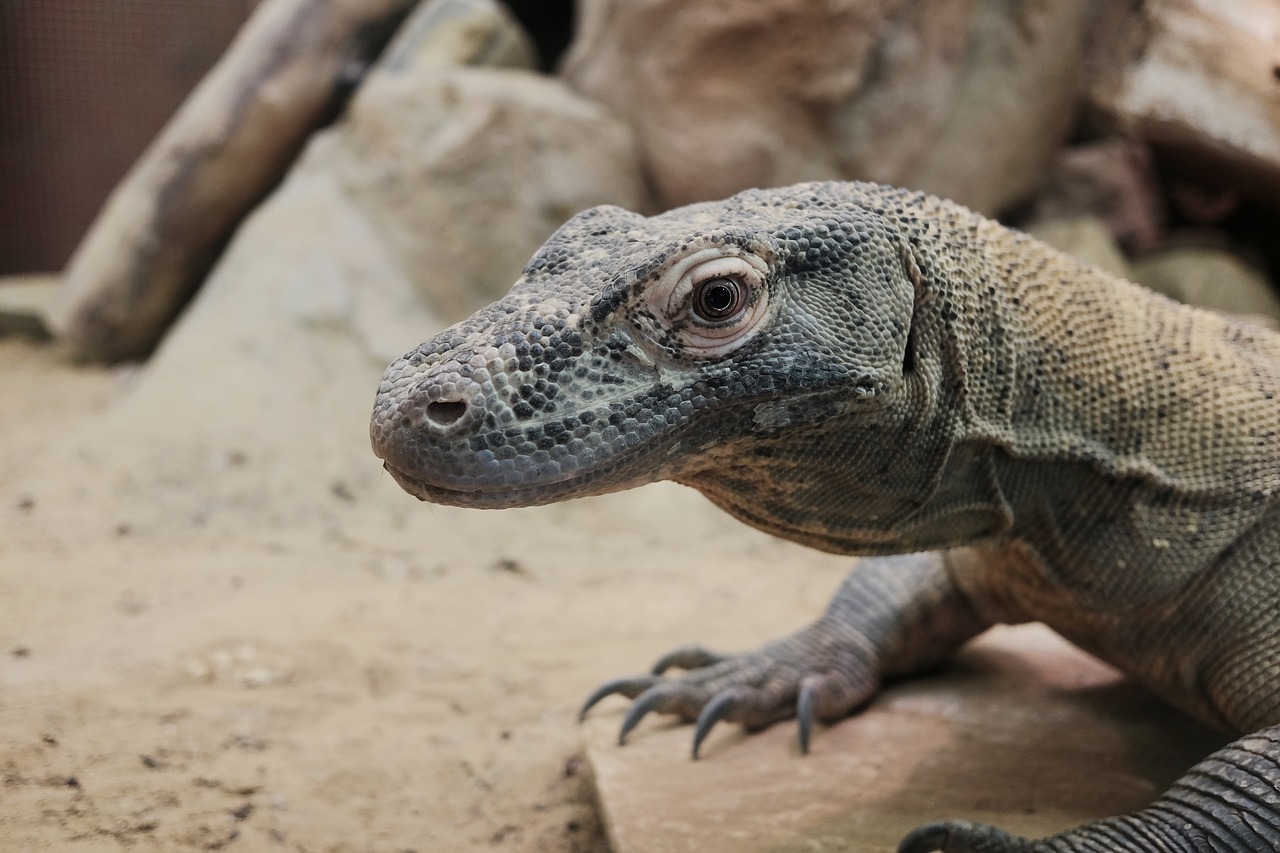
(718, 299)
(711, 301)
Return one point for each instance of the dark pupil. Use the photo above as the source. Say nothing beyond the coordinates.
(718, 297)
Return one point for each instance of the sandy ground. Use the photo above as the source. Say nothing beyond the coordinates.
(230, 630)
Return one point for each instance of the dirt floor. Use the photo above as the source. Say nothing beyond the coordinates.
(228, 629)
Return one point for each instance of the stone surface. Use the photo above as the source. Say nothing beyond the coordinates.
(1086, 237)
(1023, 730)
(24, 302)
(1111, 180)
(1197, 78)
(271, 365)
(1210, 278)
(964, 98)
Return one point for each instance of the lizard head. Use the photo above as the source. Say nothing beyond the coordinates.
(634, 349)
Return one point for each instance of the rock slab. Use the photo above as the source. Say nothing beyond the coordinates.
(1023, 730)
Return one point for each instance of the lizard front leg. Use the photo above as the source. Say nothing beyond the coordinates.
(891, 616)
(1228, 803)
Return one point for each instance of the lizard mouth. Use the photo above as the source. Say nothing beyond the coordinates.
(668, 454)
(507, 495)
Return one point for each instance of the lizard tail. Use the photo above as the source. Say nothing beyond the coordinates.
(961, 836)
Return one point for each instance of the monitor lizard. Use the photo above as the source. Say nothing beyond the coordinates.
(1007, 433)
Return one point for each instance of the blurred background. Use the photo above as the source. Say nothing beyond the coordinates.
(85, 85)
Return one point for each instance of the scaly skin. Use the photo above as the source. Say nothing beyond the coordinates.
(876, 372)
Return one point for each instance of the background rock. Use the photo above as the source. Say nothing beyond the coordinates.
(1198, 79)
(965, 98)
(465, 172)
(440, 33)
(1209, 278)
(1086, 237)
(1112, 180)
(24, 301)
(425, 201)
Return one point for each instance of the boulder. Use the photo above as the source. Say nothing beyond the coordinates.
(964, 98)
(438, 182)
(1210, 278)
(440, 33)
(1060, 739)
(1198, 79)
(1110, 180)
(1085, 237)
(24, 301)
(467, 171)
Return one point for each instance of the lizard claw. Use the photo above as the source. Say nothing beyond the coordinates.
(821, 672)
(653, 699)
(722, 705)
(756, 689)
(809, 687)
(630, 686)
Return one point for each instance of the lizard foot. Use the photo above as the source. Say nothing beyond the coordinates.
(891, 616)
(806, 675)
(1228, 803)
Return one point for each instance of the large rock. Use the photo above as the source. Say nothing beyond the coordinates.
(467, 171)
(234, 138)
(1198, 79)
(1022, 730)
(440, 33)
(1211, 278)
(965, 98)
(24, 302)
(1110, 180)
(1085, 237)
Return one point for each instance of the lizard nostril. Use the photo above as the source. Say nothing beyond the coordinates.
(446, 412)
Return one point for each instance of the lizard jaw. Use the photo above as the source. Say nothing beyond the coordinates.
(572, 484)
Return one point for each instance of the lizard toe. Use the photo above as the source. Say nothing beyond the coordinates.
(665, 697)
(722, 706)
(828, 697)
(630, 687)
(691, 656)
(755, 690)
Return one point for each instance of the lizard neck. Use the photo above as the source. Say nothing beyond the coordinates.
(1060, 362)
